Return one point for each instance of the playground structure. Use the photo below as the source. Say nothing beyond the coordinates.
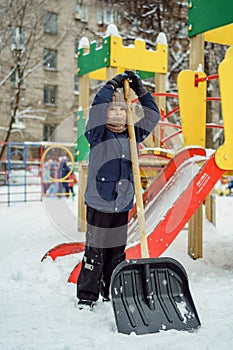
(26, 173)
(20, 173)
(111, 58)
(203, 169)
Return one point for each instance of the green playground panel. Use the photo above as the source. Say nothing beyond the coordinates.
(145, 75)
(82, 150)
(204, 15)
(97, 58)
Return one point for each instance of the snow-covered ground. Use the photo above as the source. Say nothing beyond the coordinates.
(37, 304)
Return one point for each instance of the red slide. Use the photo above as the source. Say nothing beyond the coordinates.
(172, 208)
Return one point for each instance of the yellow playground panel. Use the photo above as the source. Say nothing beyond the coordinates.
(138, 57)
(192, 97)
(135, 57)
(224, 154)
(222, 35)
(192, 101)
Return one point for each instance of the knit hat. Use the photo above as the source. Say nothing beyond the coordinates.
(117, 122)
(117, 100)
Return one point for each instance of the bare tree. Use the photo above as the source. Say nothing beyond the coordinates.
(22, 31)
(146, 19)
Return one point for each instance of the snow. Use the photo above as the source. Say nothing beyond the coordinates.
(161, 39)
(37, 304)
(84, 43)
(112, 30)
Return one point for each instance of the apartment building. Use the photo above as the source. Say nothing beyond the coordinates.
(41, 95)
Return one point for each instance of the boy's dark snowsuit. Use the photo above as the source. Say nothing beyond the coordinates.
(109, 194)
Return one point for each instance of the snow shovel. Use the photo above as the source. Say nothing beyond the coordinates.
(149, 295)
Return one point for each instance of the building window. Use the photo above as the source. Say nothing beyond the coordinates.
(81, 12)
(17, 79)
(76, 83)
(50, 59)
(49, 132)
(107, 16)
(18, 39)
(50, 92)
(50, 22)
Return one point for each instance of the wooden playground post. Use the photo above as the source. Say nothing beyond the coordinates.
(84, 104)
(111, 72)
(81, 189)
(195, 223)
(210, 207)
(160, 86)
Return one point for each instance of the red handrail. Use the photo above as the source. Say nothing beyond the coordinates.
(207, 78)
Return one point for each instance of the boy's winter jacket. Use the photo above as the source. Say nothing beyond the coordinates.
(110, 179)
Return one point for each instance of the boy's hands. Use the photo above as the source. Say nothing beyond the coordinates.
(135, 83)
(118, 80)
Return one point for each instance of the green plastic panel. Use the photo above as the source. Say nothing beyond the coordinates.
(82, 150)
(97, 58)
(204, 15)
(145, 75)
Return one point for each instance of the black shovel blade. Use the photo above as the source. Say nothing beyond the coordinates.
(150, 295)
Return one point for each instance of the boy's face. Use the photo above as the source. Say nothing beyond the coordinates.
(116, 115)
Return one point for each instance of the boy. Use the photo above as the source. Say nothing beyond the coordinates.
(110, 191)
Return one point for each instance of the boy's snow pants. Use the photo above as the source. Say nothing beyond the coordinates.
(105, 248)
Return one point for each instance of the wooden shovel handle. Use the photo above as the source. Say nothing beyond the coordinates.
(136, 172)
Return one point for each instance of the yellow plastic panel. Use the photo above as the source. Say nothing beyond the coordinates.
(192, 101)
(224, 154)
(222, 35)
(101, 74)
(138, 57)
